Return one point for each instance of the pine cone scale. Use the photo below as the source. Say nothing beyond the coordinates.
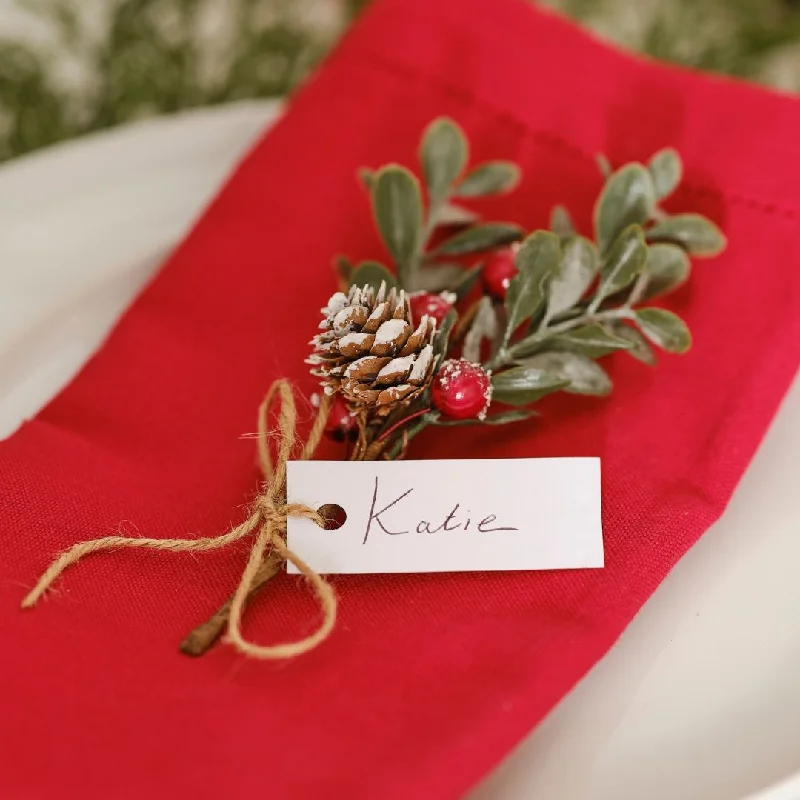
(353, 345)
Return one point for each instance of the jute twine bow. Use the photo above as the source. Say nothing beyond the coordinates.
(268, 518)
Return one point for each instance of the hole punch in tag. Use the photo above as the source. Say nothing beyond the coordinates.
(447, 516)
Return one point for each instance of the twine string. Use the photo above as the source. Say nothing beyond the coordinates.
(268, 518)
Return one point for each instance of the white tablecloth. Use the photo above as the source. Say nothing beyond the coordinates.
(699, 700)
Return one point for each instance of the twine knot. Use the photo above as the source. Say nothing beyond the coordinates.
(267, 520)
(276, 515)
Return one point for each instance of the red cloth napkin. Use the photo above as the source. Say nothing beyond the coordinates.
(428, 680)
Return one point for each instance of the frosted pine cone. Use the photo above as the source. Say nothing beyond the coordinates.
(370, 350)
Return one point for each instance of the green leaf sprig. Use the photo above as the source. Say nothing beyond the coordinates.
(573, 300)
(407, 223)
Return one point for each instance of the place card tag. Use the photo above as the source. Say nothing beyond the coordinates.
(449, 516)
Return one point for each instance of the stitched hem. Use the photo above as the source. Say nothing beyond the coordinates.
(548, 139)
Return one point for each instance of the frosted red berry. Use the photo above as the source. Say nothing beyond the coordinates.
(498, 271)
(462, 390)
(435, 306)
(341, 425)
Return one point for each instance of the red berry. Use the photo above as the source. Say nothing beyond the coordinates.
(462, 390)
(498, 271)
(341, 425)
(435, 306)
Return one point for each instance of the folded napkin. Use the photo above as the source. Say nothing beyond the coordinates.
(427, 680)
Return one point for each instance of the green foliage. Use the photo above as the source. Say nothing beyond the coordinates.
(397, 208)
(143, 58)
(591, 340)
(587, 319)
(146, 57)
(526, 384)
(698, 235)
(484, 236)
(576, 372)
(664, 329)
(492, 177)
(755, 39)
(627, 199)
(668, 267)
(569, 301)
(537, 261)
(573, 276)
(443, 154)
(666, 171)
(408, 217)
(626, 259)
(371, 273)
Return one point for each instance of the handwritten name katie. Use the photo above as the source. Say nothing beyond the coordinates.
(393, 518)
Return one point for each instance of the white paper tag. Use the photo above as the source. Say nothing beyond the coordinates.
(449, 516)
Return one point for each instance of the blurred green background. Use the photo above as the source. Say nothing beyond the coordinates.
(68, 67)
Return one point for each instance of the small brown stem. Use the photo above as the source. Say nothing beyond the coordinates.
(403, 447)
(464, 323)
(203, 637)
(360, 446)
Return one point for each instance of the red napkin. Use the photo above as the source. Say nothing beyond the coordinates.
(428, 680)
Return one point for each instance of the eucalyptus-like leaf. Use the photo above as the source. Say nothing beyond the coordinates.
(443, 153)
(579, 264)
(446, 277)
(640, 349)
(694, 232)
(503, 418)
(484, 327)
(624, 262)
(437, 278)
(483, 236)
(664, 329)
(526, 347)
(536, 260)
(591, 340)
(492, 177)
(580, 374)
(465, 285)
(371, 273)
(442, 336)
(628, 198)
(666, 169)
(561, 222)
(525, 384)
(452, 215)
(397, 207)
(668, 267)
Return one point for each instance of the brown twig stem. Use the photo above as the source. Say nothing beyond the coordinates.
(204, 636)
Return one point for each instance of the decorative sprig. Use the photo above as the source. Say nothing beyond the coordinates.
(386, 351)
(570, 301)
(582, 300)
(407, 224)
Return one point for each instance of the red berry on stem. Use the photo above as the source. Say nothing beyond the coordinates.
(462, 390)
(435, 306)
(498, 271)
(341, 425)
